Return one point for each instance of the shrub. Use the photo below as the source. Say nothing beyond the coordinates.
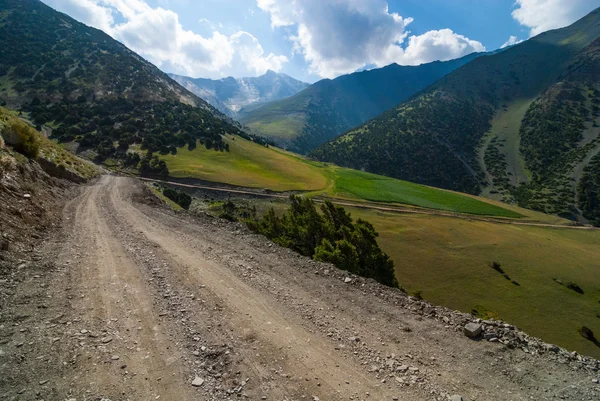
(179, 197)
(23, 138)
(587, 333)
(330, 236)
(496, 266)
(574, 287)
(7, 164)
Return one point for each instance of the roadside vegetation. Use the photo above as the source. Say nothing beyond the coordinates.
(328, 235)
(32, 144)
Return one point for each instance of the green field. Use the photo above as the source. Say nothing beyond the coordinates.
(251, 165)
(448, 260)
(285, 127)
(247, 165)
(377, 188)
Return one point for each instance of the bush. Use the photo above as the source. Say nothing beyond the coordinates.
(23, 138)
(179, 197)
(587, 333)
(330, 236)
(496, 266)
(574, 287)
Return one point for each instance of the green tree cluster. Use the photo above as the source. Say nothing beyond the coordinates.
(329, 236)
(179, 197)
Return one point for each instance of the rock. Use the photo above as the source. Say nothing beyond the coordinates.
(489, 336)
(456, 397)
(347, 280)
(595, 381)
(473, 330)
(354, 339)
(27, 196)
(115, 357)
(198, 381)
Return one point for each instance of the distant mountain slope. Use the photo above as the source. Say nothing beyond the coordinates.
(92, 89)
(330, 107)
(230, 95)
(520, 124)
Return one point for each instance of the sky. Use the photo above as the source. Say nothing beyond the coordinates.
(314, 39)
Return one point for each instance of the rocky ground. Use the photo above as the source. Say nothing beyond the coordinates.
(125, 299)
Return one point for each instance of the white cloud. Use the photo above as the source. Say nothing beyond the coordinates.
(512, 40)
(86, 11)
(543, 15)
(157, 34)
(340, 36)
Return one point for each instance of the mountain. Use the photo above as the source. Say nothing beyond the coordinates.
(230, 95)
(87, 87)
(330, 107)
(520, 125)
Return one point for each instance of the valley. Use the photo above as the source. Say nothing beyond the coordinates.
(427, 231)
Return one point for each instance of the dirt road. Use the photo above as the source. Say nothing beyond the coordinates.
(141, 303)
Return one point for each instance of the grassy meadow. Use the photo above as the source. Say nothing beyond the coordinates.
(251, 165)
(361, 185)
(248, 165)
(448, 260)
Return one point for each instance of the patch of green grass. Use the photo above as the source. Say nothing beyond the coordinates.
(247, 164)
(448, 259)
(285, 127)
(377, 188)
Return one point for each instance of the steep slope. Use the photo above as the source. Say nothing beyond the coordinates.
(436, 137)
(87, 87)
(560, 138)
(230, 95)
(330, 107)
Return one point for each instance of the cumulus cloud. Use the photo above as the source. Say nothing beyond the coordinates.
(340, 36)
(157, 34)
(512, 40)
(543, 15)
(87, 11)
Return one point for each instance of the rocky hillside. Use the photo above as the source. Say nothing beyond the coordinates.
(87, 87)
(330, 107)
(230, 95)
(519, 125)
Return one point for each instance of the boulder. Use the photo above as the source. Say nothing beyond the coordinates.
(473, 330)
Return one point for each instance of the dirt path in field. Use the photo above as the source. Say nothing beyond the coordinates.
(370, 206)
(141, 303)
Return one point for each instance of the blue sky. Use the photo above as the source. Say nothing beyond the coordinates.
(314, 39)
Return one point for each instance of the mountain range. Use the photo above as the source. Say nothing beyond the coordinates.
(331, 107)
(230, 95)
(521, 125)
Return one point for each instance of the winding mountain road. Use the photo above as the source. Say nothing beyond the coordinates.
(153, 304)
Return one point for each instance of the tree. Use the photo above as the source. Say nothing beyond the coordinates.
(329, 236)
